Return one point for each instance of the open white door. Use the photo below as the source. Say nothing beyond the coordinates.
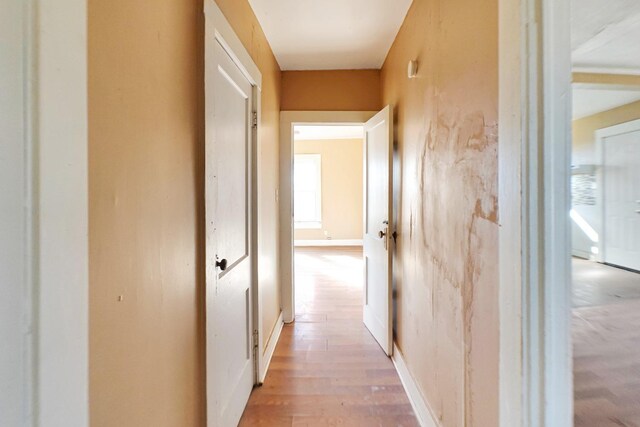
(229, 111)
(378, 157)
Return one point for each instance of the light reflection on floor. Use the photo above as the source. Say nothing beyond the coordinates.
(598, 284)
(314, 271)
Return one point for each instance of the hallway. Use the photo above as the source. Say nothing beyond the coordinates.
(327, 369)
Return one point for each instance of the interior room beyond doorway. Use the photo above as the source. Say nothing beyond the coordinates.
(605, 220)
(328, 185)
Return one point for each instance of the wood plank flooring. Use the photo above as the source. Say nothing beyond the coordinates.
(606, 345)
(599, 284)
(327, 369)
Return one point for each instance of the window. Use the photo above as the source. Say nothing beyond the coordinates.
(307, 194)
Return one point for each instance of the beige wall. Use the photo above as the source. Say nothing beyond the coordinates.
(341, 184)
(333, 90)
(145, 208)
(584, 141)
(447, 272)
(606, 79)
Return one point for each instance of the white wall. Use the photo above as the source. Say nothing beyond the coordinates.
(43, 227)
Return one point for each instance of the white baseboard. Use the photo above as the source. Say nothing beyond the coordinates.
(420, 406)
(271, 347)
(581, 254)
(352, 242)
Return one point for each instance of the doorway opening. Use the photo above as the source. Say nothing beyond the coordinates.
(574, 325)
(328, 185)
(376, 132)
(328, 217)
(605, 229)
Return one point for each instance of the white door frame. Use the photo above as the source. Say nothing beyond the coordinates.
(289, 119)
(601, 135)
(44, 378)
(217, 27)
(534, 197)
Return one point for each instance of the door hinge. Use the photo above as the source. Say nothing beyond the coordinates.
(254, 122)
(256, 359)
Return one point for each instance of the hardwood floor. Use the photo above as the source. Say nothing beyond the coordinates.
(606, 338)
(599, 284)
(327, 369)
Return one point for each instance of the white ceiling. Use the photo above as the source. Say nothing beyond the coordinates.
(587, 101)
(330, 34)
(313, 133)
(605, 36)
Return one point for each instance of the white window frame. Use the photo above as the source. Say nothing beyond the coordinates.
(316, 223)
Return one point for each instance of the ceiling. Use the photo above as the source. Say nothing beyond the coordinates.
(314, 133)
(605, 36)
(587, 101)
(330, 34)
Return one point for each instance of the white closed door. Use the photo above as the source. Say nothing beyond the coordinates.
(378, 150)
(228, 109)
(622, 199)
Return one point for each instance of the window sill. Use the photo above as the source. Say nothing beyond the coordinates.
(312, 225)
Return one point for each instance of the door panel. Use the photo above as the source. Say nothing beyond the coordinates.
(622, 200)
(377, 231)
(232, 111)
(230, 367)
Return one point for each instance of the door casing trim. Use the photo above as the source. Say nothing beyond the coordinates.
(46, 159)
(535, 377)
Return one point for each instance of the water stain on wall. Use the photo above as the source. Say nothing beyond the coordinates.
(446, 270)
(458, 154)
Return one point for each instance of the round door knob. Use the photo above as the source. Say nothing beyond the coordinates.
(381, 234)
(222, 264)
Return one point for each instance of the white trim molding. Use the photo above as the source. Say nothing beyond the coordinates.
(224, 34)
(536, 387)
(44, 253)
(328, 242)
(62, 212)
(270, 348)
(511, 130)
(579, 68)
(310, 225)
(288, 119)
(423, 411)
